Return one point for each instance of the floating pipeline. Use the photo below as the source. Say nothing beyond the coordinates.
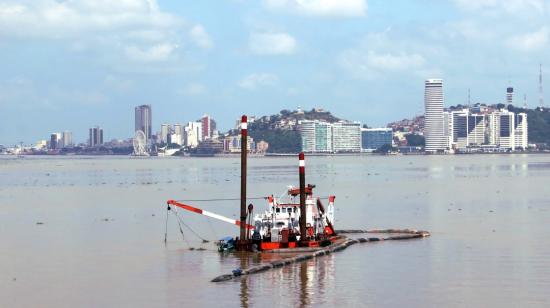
(405, 234)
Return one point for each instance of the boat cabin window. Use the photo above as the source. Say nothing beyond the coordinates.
(289, 210)
(278, 210)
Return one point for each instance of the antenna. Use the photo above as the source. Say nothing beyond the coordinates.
(525, 101)
(541, 97)
(469, 98)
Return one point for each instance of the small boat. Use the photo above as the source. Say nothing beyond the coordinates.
(226, 244)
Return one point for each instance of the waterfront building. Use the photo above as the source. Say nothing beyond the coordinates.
(143, 120)
(193, 134)
(346, 136)
(322, 137)
(448, 128)
(374, 138)
(307, 132)
(178, 134)
(41, 145)
(468, 129)
(67, 139)
(521, 131)
(165, 132)
(316, 136)
(262, 147)
(502, 129)
(232, 144)
(55, 141)
(206, 127)
(433, 125)
(95, 136)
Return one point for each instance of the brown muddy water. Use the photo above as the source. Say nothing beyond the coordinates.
(89, 232)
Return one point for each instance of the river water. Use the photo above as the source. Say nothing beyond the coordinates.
(89, 232)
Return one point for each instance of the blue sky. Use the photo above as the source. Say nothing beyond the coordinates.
(71, 65)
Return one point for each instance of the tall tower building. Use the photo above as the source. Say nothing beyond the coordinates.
(143, 120)
(55, 141)
(67, 138)
(165, 131)
(206, 127)
(509, 96)
(95, 136)
(433, 121)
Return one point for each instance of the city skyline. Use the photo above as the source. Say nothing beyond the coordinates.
(257, 58)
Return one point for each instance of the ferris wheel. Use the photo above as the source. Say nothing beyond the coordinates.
(140, 148)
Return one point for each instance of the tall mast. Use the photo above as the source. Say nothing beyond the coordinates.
(301, 169)
(244, 142)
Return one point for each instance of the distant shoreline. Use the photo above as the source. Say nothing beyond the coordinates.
(268, 155)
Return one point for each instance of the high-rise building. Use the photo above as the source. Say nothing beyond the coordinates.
(319, 136)
(55, 141)
(468, 129)
(95, 136)
(374, 138)
(307, 132)
(178, 134)
(502, 129)
(316, 136)
(206, 127)
(433, 127)
(143, 120)
(165, 132)
(346, 137)
(509, 96)
(193, 134)
(67, 138)
(521, 131)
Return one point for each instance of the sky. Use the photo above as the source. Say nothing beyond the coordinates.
(71, 65)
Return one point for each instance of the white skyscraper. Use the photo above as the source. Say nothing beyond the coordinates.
(165, 131)
(433, 128)
(67, 138)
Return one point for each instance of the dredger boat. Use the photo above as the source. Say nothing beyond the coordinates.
(290, 223)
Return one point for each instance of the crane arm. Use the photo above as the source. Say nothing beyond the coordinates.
(207, 213)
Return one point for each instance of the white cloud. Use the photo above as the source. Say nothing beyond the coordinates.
(133, 30)
(332, 8)
(160, 52)
(257, 80)
(530, 41)
(272, 43)
(369, 64)
(499, 6)
(201, 37)
(55, 19)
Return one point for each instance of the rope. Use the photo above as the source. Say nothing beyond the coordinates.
(228, 199)
(182, 235)
(221, 199)
(180, 220)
